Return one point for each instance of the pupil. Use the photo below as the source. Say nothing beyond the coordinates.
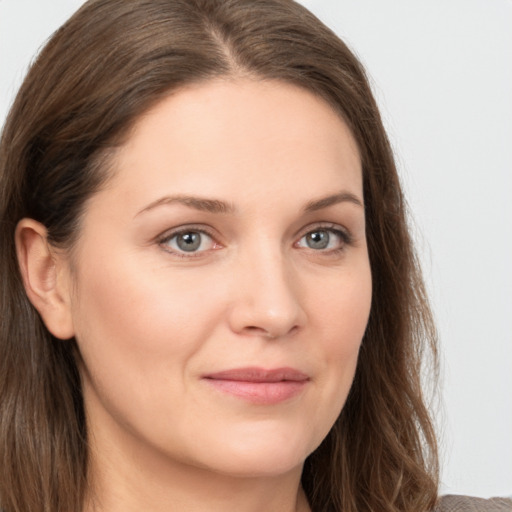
(318, 240)
(189, 241)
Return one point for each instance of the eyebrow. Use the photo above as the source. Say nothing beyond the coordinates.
(198, 203)
(325, 202)
(218, 206)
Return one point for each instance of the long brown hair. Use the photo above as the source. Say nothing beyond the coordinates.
(111, 62)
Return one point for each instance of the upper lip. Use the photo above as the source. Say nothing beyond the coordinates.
(254, 374)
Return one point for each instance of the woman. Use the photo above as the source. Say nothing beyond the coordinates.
(210, 299)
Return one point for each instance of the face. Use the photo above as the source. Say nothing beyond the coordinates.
(221, 282)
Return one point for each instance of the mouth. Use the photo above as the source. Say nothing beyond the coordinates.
(259, 385)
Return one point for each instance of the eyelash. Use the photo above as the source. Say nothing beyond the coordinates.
(343, 234)
(167, 237)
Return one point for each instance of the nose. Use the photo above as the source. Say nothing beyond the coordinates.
(267, 300)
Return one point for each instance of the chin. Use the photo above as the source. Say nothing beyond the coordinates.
(260, 454)
(258, 465)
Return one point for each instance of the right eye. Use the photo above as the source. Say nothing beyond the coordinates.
(188, 241)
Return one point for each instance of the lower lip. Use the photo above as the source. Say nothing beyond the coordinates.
(264, 393)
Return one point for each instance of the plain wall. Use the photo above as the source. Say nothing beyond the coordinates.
(442, 73)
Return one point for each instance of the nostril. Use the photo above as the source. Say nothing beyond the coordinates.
(259, 331)
(268, 333)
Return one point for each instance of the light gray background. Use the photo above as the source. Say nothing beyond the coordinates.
(442, 72)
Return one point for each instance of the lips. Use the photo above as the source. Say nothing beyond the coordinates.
(258, 385)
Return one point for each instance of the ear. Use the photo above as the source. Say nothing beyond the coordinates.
(45, 276)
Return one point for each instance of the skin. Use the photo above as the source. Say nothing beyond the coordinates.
(151, 320)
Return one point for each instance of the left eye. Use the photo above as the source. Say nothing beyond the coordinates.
(322, 239)
(189, 241)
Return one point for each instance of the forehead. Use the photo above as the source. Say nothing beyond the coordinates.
(233, 136)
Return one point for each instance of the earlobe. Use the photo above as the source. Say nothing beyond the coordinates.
(44, 277)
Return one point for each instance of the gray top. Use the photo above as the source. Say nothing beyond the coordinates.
(453, 503)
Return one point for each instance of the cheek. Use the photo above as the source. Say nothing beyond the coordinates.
(342, 311)
(341, 316)
(135, 310)
(137, 334)
(134, 330)
(348, 321)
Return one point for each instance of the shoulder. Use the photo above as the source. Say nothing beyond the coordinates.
(453, 503)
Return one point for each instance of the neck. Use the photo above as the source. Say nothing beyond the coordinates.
(130, 481)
